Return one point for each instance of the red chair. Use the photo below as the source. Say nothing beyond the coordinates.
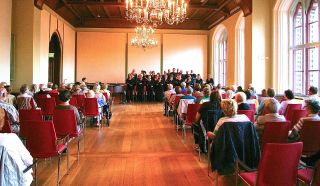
(55, 96)
(38, 98)
(310, 137)
(6, 127)
(48, 106)
(73, 101)
(248, 113)
(275, 132)
(288, 113)
(296, 116)
(80, 100)
(90, 108)
(28, 115)
(65, 123)
(278, 166)
(198, 98)
(223, 96)
(190, 116)
(106, 96)
(42, 143)
(253, 107)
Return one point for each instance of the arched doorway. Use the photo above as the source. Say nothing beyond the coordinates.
(54, 73)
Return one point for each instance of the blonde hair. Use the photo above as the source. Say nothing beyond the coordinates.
(229, 107)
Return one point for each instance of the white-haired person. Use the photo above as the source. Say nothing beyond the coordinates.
(271, 109)
(229, 94)
(229, 108)
(241, 99)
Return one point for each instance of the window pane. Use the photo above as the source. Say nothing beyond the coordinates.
(313, 20)
(313, 55)
(298, 73)
(314, 78)
(298, 86)
(298, 60)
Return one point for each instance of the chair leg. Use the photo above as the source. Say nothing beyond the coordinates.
(67, 159)
(58, 179)
(217, 177)
(78, 155)
(35, 172)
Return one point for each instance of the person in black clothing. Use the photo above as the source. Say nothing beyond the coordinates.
(210, 80)
(208, 121)
(130, 88)
(139, 87)
(150, 88)
(199, 80)
(193, 75)
(158, 88)
(241, 99)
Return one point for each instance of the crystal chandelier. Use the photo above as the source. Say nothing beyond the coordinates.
(143, 38)
(155, 11)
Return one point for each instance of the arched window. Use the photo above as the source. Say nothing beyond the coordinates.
(240, 51)
(220, 55)
(305, 47)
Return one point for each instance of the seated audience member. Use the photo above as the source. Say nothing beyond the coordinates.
(11, 99)
(33, 89)
(241, 99)
(313, 93)
(197, 90)
(239, 89)
(84, 81)
(210, 80)
(287, 99)
(250, 100)
(24, 100)
(270, 93)
(13, 115)
(263, 96)
(207, 119)
(178, 93)
(54, 89)
(206, 95)
(183, 87)
(229, 108)
(49, 86)
(169, 92)
(213, 104)
(3, 91)
(229, 94)
(64, 97)
(42, 90)
(62, 87)
(189, 95)
(104, 89)
(272, 108)
(312, 107)
(100, 97)
(221, 91)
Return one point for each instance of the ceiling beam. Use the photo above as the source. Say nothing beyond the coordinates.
(71, 9)
(91, 12)
(217, 10)
(222, 19)
(245, 5)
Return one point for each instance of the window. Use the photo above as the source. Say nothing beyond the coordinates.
(305, 49)
(240, 52)
(222, 58)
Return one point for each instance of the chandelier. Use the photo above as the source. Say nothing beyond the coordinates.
(155, 11)
(143, 38)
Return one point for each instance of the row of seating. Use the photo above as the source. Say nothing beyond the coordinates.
(274, 132)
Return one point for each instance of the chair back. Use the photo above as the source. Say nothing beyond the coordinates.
(198, 98)
(48, 106)
(106, 96)
(38, 98)
(176, 101)
(73, 101)
(6, 126)
(41, 139)
(191, 113)
(252, 106)
(213, 117)
(310, 137)
(288, 113)
(80, 100)
(296, 116)
(248, 113)
(223, 96)
(28, 115)
(55, 96)
(90, 107)
(65, 122)
(279, 164)
(275, 132)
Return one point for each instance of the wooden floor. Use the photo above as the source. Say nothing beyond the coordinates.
(141, 147)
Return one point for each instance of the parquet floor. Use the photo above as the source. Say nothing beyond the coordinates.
(141, 147)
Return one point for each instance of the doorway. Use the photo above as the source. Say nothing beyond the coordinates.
(54, 74)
